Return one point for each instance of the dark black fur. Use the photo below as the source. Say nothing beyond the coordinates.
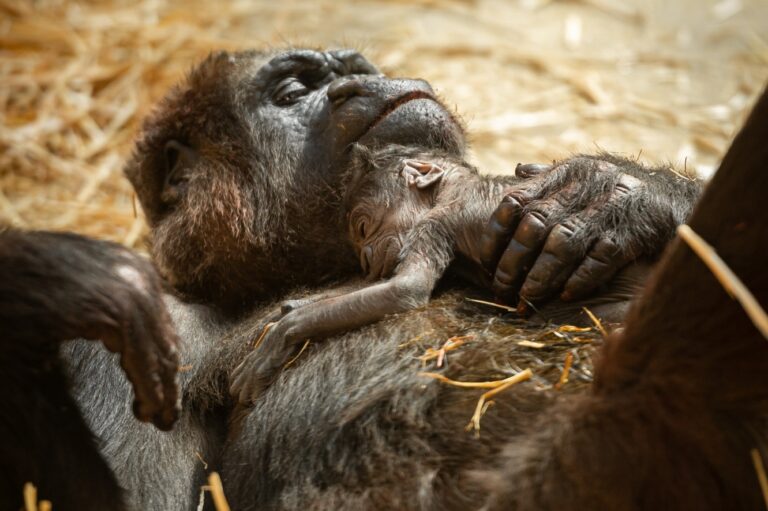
(54, 288)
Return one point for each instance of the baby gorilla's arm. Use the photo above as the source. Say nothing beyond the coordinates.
(424, 259)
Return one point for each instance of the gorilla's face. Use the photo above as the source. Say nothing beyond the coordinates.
(239, 171)
(320, 103)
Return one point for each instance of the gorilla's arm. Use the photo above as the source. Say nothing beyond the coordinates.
(56, 287)
(569, 228)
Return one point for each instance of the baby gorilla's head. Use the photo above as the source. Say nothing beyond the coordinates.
(388, 192)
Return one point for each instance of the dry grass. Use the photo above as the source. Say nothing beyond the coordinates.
(534, 80)
(30, 499)
(495, 386)
(730, 282)
(217, 492)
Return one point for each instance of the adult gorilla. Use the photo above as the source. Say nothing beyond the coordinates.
(239, 172)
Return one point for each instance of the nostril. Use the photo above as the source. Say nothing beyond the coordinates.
(346, 88)
(366, 256)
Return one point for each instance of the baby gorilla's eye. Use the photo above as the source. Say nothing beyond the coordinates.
(289, 91)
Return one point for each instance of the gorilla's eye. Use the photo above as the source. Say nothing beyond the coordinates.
(289, 91)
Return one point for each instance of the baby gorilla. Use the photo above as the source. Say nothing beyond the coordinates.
(412, 214)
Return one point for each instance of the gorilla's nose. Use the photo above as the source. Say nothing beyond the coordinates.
(379, 87)
(352, 63)
(346, 88)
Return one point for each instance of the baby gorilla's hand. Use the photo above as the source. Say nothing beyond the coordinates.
(261, 366)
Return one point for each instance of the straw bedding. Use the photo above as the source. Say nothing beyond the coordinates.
(533, 79)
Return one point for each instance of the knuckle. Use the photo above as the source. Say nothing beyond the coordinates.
(502, 278)
(532, 231)
(532, 287)
(501, 287)
(627, 184)
(597, 260)
(605, 251)
(592, 266)
(560, 242)
(603, 165)
(533, 223)
(512, 202)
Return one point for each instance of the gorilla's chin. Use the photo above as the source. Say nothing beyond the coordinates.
(421, 122)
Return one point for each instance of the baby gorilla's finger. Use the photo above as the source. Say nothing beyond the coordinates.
(602, 262)
(250, 379)
(520, 254)
(237, 378)
(501, 226)
(526, 170)
(552, 268)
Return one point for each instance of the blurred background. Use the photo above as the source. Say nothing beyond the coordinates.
(534, 80)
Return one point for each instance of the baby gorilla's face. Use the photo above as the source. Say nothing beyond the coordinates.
(378, 233)
(379, 223)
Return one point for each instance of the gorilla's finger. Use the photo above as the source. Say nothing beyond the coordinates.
(164, 342)
(141, 366)
(169, 370)
(520, 254)
(152, 363)
(599, 266)
(499, 230)
(552, 268)
(526, 170)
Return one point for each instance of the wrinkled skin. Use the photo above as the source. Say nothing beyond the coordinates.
(556, 236)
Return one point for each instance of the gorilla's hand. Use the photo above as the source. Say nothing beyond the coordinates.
(55, 287)
(568, 228)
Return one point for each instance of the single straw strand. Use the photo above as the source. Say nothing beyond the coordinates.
(732, 284)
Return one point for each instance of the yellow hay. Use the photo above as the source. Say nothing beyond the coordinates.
(732, 284)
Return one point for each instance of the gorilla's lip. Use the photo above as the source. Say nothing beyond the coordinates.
(397, 103)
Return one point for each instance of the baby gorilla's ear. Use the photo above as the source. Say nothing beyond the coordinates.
(421, 174)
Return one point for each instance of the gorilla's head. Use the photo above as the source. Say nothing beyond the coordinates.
(239, 169)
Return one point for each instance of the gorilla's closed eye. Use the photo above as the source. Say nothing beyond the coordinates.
(289, 91)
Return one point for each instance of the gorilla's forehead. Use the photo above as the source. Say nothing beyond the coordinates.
(256, 66)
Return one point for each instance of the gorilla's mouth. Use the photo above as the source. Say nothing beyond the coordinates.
(415, 118)
(397, 103)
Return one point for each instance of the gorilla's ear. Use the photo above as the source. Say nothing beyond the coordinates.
(421, 174)
(179, 162)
